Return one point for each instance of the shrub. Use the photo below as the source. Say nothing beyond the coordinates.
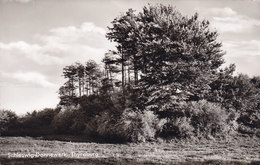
(64, 120)
(107, 127)
(38, 119)
(8, 119)
(91, 127)
(232, 124)
(196, 118)
(130, 125)
(250, 119)
(139, 126)
(180, 128)
(78, 122)
(207, 118)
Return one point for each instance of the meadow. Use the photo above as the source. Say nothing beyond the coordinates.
(27, 150)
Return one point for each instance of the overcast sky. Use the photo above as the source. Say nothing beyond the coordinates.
(39, 37)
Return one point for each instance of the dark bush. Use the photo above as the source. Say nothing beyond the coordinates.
(8, 120)
(177, 128)
(64, 120)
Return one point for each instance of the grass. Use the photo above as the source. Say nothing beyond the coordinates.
(240, 150)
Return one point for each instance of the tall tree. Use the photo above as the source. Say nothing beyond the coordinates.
(123, 32)
(93, 77)
(111, 61)
(70, 73)
(176, 56)
(80, 78)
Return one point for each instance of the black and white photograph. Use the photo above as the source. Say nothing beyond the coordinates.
(130, 82)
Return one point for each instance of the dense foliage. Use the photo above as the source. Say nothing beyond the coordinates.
(8, 119)
(163, 80)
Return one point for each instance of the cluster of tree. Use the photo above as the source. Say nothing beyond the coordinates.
(166, 60)
(81, 80)
(63, 120)
(164, 79)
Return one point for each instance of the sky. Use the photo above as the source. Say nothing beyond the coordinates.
(40, 37)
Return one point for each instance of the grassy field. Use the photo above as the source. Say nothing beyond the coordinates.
(26, 150)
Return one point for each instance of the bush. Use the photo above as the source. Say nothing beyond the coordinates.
(8, 119)
(66, 121)
(201, 119)
(91, 128)
(107, 127)
(130, 125)
(196, 118)
(39, 119)
(250, 119)
(139, 126)
(177, 128)
(36, 123)
(207, 118)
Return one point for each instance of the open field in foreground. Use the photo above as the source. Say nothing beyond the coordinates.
(26, 150)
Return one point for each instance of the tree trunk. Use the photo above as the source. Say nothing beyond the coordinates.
(135, 71)
(83, 85)
(110, 77)
(123, 73)
(129, 76)
(79, 86)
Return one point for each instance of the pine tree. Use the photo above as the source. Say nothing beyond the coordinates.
(176, 56)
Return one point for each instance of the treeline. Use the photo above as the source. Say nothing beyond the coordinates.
(163, 80)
